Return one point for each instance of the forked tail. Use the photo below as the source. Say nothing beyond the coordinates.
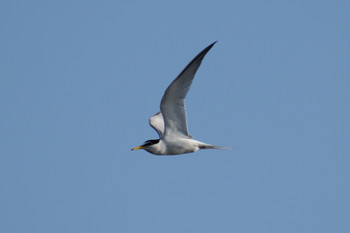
(208, 146)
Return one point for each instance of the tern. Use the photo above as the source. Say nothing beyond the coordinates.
(171, 122)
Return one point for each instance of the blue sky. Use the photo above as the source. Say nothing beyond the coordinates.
(79, 80)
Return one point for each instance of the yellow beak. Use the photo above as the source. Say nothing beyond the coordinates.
(138, 148)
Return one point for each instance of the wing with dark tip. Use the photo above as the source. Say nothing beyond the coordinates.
(173, 102)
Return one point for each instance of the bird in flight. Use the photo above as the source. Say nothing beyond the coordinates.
(171, 122)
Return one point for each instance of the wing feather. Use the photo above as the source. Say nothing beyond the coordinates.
(157, 123)
(173, 106)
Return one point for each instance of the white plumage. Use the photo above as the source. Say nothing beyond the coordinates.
(171, 122)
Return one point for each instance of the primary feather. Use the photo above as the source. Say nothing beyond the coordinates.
(173, 102)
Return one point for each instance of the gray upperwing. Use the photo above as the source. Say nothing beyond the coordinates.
(173, 102)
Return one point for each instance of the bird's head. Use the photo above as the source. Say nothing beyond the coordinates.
(147, 145)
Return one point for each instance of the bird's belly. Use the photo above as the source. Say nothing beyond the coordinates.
(175, 147)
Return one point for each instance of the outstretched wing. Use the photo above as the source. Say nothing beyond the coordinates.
(157, 123)
(173, 102)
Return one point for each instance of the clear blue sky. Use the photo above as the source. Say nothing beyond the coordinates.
(79, 80)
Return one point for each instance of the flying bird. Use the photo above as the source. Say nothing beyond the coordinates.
(171, 122)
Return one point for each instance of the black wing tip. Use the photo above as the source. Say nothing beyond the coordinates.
(204, 51)
(212, 44)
